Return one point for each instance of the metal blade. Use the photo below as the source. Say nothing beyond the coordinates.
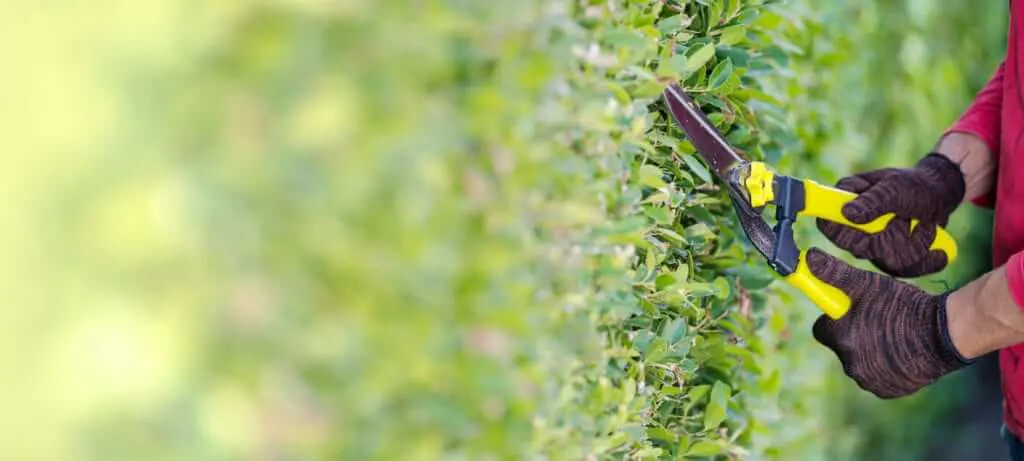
(702, 133)
(723, 159)
(754, 226)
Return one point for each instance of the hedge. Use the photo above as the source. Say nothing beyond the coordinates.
(466, 230)
(469, 232)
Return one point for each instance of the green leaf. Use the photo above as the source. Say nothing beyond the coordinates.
(700, 230)
(739, 56)
(624, 38)
(739, 135)
(714, 14)
(664, 280)
(675, 331)
(669, 390)
(683, 273)
(671, 23)
(701, 215)
(629, 230)
(657, 350)
(647, 90)
(649, 31)
(684, 443)
(620, 93)
(733, 34)
(732, 327)
(703, 448)
(732, 7)
(768, 19)
(673, 66)
(697, 167)
(753, 277)
(699, 58)
(701, 289)
(722, 288)
(651, 175)
(659, 214)
(721, 73)
(697, 393)
(714, 414)
(660, 433)
(670, 235)
(718, 120)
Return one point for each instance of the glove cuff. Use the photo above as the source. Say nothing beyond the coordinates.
(946, 176)
(948, 353)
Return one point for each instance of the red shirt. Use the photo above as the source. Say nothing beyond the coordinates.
(997, 116)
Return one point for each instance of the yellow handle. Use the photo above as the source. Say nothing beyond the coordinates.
(827, 203)
(831, 300)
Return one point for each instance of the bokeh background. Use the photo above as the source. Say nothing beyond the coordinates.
(203, 202)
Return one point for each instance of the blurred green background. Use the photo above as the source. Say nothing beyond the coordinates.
(195, 221)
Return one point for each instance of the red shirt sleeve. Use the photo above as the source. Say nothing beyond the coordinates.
(1015, 277)
(982, 119)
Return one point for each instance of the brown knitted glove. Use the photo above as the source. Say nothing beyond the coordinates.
(929, 192)
(894, 340)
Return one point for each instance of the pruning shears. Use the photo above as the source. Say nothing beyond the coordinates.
(752, 186)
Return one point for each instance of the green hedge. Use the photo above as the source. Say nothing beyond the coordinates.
(467, 231)
(458, 230)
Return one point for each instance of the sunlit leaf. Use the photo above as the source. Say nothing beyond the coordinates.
(699, 58)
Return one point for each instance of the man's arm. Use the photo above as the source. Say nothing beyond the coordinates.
(976, 161)
(985, 315)
(973, 141)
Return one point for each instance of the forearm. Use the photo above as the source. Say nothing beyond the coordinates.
(973, 141)
(983, 316)
(972, 154)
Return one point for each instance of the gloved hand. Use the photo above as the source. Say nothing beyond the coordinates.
(894, 340)
(929, 192)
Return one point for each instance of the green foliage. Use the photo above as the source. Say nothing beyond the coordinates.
(464, 232)
(420, 230)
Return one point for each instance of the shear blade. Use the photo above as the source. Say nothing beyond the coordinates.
(710, 144)
(722, 158)
(760, 234)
